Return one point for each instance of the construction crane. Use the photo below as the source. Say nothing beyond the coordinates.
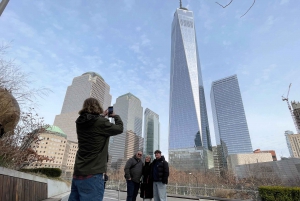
(290, 108)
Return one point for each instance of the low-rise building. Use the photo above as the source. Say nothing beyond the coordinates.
(243, 159)
(55, 151)
(272, 152)
(192, 159)
(52, 147)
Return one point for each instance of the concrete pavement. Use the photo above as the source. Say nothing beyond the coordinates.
(113, 195)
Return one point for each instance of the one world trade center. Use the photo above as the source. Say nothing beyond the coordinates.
(189, 136)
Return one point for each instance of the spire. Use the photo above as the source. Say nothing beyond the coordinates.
(180, 4)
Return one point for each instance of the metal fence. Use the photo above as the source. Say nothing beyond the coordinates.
(204, 190)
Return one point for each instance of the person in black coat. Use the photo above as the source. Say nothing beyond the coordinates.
(159, 174)
(147, 183)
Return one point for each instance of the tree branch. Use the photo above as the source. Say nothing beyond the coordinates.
(248, 9)
(225, 5)
(232, 1)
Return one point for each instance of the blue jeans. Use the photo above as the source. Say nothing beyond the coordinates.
(90, 189)
(132, 190)
(159, 191)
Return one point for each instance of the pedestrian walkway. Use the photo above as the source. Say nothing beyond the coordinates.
(112, 195)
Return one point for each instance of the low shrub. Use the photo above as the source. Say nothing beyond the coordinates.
(49, 172)
(278, 193)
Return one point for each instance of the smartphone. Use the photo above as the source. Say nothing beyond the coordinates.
(110, 110)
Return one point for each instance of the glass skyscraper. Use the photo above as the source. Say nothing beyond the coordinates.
(188, 123)
(229, 117)
(151, 132)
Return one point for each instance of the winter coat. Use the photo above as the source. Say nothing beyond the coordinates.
(133, 169)
(162, 170)
(147, 183)
(93, 133)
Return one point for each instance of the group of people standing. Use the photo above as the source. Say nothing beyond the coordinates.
(93, 132)
(150, 178)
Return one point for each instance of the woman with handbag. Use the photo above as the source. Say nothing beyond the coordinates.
(147, 183)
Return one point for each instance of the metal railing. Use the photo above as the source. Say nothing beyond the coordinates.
(203, 190)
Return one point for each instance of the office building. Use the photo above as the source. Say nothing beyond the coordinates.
(151, 132)
(296, 112)
(293, 142)
(287, 133)
(87, 85)
(229, 117)
(272, 152)
(69, 160)
(188, 122)
(217, 156)
(188, 115)
(130, 110)
(134, 143)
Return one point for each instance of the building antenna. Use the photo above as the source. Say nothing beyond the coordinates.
(180, 4)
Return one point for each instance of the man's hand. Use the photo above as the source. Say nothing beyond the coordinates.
(105, 113)
(112, 115)
(129, 179)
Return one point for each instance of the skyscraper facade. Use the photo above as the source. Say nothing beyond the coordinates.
(229, 117)
(296, 112)
(293, 141)
(130, 110)
(87, 85)
(151, 132)
(288, 141)
(188, 123)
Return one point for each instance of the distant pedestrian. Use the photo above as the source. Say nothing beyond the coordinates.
(133, 173)
(147, 183)
(160, 174)
(93, 133)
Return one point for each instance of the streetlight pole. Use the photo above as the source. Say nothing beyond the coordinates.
(197, 182)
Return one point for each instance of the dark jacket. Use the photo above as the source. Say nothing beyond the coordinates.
(133, 169)
(162, 170)
(93, 133)
(147, 183)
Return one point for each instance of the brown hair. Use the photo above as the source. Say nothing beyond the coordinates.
(92, 106)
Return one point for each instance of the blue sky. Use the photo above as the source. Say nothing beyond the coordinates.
(128, 42)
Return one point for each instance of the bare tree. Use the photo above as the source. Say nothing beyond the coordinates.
(20, 126)
(15, 81)
(224, 6)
